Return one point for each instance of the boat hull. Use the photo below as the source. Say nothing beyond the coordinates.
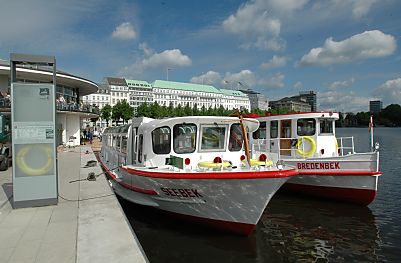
(351, 178)
(228, 201)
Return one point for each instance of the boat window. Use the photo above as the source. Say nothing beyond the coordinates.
(235, 143)
(161, 140)
(140, 148)
(273, 129)
(306, 127)
(213, 138)
(114, 143)
(326, 126)
(184, 138)
(118, 142)
(124, 144)
(260, 133)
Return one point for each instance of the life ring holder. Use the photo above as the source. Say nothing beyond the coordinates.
(312, 149)
(213, 165)
(255, 162)
(21, 162)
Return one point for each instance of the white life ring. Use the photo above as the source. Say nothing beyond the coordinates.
(28, 170)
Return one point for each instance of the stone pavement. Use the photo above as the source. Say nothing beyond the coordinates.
(87, 225)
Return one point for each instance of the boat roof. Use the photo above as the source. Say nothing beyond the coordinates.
(252, 124)
(302, 115)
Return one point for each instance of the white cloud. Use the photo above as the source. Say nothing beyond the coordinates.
(240, 80)
(210, 78)
(167, 58)
(257, 22)
(125, 31)
(298, 85)
(341, 84)
(344, 101)
(246, 77)
(275, 62)
(369, 44)
(362, 7)
(389, 92)
(274, 81)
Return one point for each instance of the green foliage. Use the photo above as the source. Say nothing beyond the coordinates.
(105, 113)
(391, 115)
(127, 112)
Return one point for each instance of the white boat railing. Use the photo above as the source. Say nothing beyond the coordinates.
(345, 145)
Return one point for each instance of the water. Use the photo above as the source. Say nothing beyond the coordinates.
(292, 228)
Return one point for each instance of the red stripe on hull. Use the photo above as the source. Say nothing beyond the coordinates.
(127, 186)
(339, 173)
(350, 195)
(213, 175)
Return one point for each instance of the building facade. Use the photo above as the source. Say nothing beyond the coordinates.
(119, 90)
(375, 106)
(310, 97)
(292, 104)
(257, 100)
(100, 98)
(139, 92)
(168, 93)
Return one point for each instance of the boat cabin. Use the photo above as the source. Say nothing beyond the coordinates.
(186, 142)
(299, 135)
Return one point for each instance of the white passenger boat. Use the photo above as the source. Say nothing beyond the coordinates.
(196, 167)
(328, 166)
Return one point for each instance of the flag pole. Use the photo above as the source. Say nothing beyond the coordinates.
(371, 132)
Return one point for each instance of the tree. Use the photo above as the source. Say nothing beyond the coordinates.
(195, 110)
(392, 113)
(187, 110)
(143, 110)
(106, 113)
(117, 112)
(127, 112)
(155, 110)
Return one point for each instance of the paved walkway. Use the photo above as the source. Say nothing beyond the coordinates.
(87, 225)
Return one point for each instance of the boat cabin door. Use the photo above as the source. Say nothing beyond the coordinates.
(285, 137)
(133, 155)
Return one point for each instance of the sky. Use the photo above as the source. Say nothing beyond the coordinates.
(347, 51)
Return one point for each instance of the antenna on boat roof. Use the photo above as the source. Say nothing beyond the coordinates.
(238, 114)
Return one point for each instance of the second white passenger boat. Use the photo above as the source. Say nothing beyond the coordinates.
(328, 166)
(196, 167)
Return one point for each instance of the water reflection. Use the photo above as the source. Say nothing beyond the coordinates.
(290, 230)
(310, 230)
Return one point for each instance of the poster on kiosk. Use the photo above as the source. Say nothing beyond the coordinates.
(33, 134)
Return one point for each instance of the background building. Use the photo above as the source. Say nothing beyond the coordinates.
(375, 106)
(139, 93)
(99, 98)
(310, 97)
(118, 90)
(167, 93)
(296, 104)
(257, 100)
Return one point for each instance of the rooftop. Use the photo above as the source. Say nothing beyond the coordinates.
(163, 84)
